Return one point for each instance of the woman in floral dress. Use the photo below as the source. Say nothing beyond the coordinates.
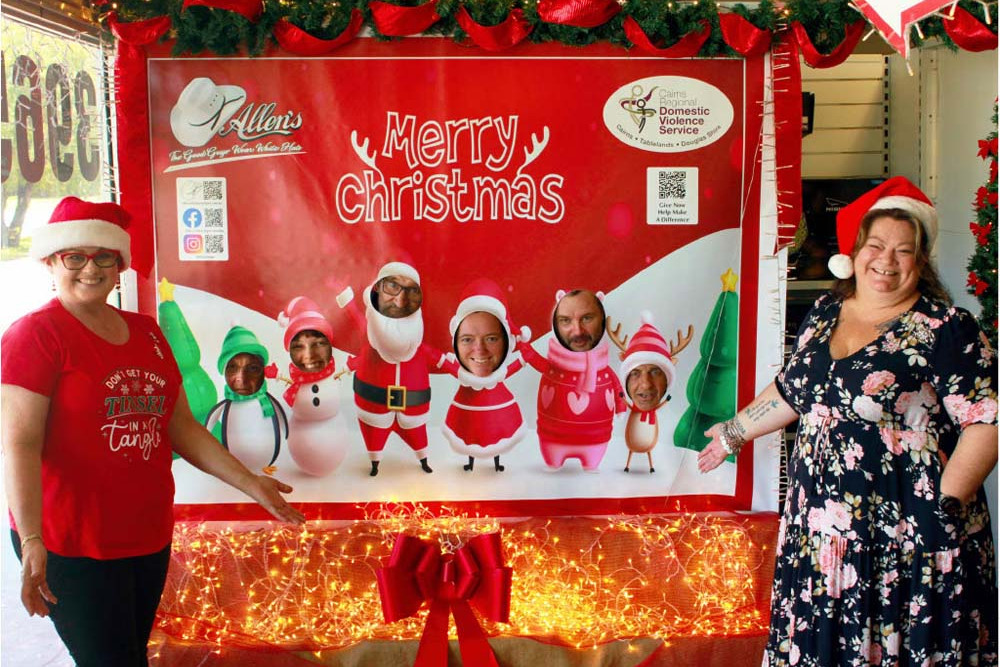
(885, 550)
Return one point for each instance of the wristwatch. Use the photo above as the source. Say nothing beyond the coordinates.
(950, 505)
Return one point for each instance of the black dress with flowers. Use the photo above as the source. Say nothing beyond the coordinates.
(869, 571)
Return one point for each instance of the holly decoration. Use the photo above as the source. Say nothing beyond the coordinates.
(214, 29)
(711, 389)
(198, 386)
(983, 263)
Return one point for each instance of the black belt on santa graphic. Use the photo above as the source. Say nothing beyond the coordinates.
(394, 397)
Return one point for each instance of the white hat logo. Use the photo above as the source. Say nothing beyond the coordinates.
(202, 109)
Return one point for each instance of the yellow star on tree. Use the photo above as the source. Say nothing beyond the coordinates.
(729, 280)
(166, 290)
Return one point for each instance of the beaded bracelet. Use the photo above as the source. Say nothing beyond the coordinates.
(730, 438)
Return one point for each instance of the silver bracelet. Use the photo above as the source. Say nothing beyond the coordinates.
(730, 438)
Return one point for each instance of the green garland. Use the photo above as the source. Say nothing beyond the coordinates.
(983, 263)
(204, 30)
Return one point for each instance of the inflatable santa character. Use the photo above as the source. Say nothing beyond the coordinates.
(484, 420)
(578, 395)
(647, 372)
(391, 374)
(317, 439)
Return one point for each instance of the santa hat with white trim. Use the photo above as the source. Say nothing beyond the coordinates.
(482, 295)
(647, 346)
(302, 314)
(897, 192)
(76, 223)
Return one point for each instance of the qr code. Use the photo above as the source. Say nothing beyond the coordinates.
(213, 190)
(213, 218)
(672, 185)
(214, 244)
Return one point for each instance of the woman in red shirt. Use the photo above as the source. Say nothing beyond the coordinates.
(92, 410)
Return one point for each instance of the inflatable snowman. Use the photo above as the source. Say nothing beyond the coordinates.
(317, 439)
(252, 424)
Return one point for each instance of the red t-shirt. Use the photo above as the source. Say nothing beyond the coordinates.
(107, 489)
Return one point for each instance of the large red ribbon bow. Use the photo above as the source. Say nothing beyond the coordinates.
(453, 583)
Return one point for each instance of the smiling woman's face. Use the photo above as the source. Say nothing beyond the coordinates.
(480, 343)
(310, 351)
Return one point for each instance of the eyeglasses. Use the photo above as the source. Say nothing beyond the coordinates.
(103, 259)
(390, 287)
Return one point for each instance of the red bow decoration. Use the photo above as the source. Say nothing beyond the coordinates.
(578, 13)
(397, 21)
(977, 284)
(473, 576)
(742, 36)
(296, 40)
(512, 31)
(685, 47)
(248, 9)
(981, 232)
(968, 32)
(812, 56)
(987, 148)
(138, 33)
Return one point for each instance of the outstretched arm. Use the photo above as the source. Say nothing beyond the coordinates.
(766, 413)
(199, 448)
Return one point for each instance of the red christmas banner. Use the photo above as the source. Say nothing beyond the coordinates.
(284, 188)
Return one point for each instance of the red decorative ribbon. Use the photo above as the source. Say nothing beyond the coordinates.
(498, 37)
(248, 9)
(685, 47)
(968, 32)
(742, 36)
(852, 35)
(578, 13)
(647, 417)
(301, 377)
(132, 112)
(474, 576)
(787, 77)
(397, 21)
(296, 40)
(138, 33)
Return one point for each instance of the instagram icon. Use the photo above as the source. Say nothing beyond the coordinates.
(194, 244)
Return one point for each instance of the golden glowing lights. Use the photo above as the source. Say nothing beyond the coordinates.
(577, 581)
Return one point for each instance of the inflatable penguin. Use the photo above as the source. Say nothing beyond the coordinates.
(252, 424)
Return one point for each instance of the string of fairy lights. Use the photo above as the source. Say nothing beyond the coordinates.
(580, 582)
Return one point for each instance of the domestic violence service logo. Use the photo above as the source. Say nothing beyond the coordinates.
(668, 114)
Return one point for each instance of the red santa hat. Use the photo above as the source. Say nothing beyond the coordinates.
(76, 223)
(483, 295)
(300, 315)
(897, 192)
(647, 346)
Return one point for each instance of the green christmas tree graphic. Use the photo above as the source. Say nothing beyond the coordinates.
(198, 386)
(711, 389)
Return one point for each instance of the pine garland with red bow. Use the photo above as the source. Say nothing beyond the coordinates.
(226, 27)
(983, 262)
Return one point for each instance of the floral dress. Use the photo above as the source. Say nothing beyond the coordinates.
(868, 570)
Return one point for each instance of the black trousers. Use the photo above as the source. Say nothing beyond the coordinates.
(106, 608)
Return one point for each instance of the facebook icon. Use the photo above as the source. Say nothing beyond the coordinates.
(192, 218)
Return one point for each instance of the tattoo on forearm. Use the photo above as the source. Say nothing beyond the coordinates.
(756, 411)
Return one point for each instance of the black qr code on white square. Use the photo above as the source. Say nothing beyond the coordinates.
(672, 185)
(213, 244)
(213, 190)
(213, 218)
